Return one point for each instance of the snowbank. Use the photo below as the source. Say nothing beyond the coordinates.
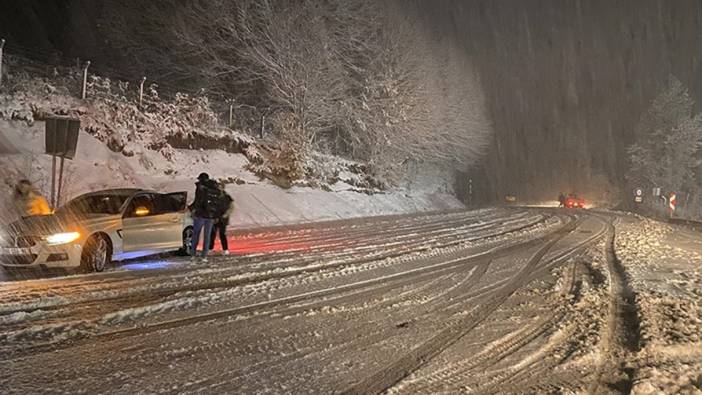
(665, 274)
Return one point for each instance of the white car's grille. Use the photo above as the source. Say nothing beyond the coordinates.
(25, 241)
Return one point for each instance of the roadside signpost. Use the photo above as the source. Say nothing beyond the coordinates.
(60, 140)
(638, 195)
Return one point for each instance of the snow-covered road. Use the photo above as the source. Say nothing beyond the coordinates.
(485, 301)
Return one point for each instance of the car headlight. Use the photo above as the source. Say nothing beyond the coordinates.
(62, 238)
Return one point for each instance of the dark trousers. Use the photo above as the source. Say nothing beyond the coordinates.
(220, 228)
(199, 225)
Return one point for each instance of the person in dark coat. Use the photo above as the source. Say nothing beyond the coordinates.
(204, 212)
(561, 200)
(226, 208)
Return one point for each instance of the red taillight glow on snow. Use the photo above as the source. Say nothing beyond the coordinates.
(244, 246)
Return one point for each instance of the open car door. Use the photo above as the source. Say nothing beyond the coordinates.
(154, 222)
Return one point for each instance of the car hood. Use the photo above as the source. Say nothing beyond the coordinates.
(44, 225)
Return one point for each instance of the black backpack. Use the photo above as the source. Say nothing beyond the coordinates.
(213, 196)
(223, 204)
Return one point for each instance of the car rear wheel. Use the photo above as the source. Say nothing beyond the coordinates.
(186, 249)
(96, 254)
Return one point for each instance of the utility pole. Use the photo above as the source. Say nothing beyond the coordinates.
(231, 113)
(84, 91)
(2, 44)
(141, 90)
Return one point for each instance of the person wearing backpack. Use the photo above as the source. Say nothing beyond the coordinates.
(224, 210)
(204, 211)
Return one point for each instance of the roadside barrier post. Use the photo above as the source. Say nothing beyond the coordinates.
(141, 90)
(2, 44)
(84, 90)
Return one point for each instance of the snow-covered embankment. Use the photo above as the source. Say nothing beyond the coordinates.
(259, 202)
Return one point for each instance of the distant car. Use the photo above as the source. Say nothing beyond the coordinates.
(573, 201)
(510, 199)
(94, 229)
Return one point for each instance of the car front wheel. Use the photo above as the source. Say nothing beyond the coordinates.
(186, 249)
(96, 254)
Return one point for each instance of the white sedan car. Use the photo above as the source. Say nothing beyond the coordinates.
(93, 229)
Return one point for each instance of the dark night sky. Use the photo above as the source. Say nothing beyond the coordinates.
(566, 80)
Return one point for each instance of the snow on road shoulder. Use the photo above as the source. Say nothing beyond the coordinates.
(667, 280)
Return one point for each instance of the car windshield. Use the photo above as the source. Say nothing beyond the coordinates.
(95, 204)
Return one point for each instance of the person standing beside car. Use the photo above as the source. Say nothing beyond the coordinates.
(224, 211)
(204, 212)
(28, 201)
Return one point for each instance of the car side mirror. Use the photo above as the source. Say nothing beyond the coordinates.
(141, 211)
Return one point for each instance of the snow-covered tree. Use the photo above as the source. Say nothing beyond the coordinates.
(669, 138)
(356, 78)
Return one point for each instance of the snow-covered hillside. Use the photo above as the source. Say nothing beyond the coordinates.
(164, 143)
(259, 201)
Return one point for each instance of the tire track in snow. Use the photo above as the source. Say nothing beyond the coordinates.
(621, 339)
(419, 356)
(530, 375)
(380, 335)
(86, 334)
(374, 332)
(377, 333)
(139, 298)
(461, 375)
(391, 252)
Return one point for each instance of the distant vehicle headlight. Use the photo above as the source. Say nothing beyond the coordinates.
(62, 238)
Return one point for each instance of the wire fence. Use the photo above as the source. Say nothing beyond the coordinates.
(22, 65)
(17, 60)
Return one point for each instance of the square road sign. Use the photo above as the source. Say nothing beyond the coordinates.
(61, 136)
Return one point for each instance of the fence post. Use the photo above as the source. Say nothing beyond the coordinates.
(84, 91)
(2, 44)
(141, 90)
